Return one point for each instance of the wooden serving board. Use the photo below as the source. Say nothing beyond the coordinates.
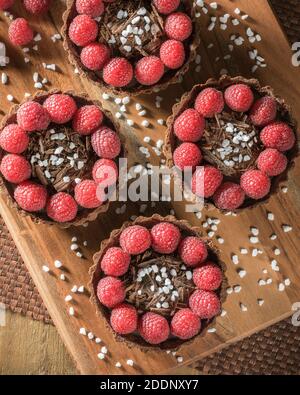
(42, 245)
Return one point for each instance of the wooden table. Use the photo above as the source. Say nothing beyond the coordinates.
(40, 244)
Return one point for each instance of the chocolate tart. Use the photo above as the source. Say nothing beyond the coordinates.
(42, 141)
(214, 134)
(150, 257)
(149, 47)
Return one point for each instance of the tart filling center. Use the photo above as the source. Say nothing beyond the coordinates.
(158, 283)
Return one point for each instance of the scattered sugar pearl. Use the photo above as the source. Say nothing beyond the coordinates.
(68, 298)
(243, 307)
(253, 239)
(260, 302)
(270, 216)
(274, 265)
(273, 236)
(101, 355)
(71, 311)
(74, 247)
(284, 189)
(244, 251)
(287, 282)
(281, 287)
(130, 362)
(62, 277)
(46, 269)
(235, 259)
(287, 228)
(81, 289)
(223, 313)
(98, 340)
(57, 264)
(220, 240)
(74, 289)
(90, 335)
(179, 359)
(82, 331)
(237, 289)
(229, 290)
(254, 231)
(242, 273)
(211, 330)
(277, 251)
(118, 365)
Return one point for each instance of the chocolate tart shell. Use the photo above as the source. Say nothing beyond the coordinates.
(96, 274)
(166, 80)
(188, 100)
(85, 215)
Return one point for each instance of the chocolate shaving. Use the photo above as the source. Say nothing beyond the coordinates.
(146, 293)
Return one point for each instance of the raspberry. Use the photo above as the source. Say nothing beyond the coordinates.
(206, 180)
(192, 251)
(263, 111)
(86, 119)
(149, 70)
(187, 155)
(118, 72)
(110, 291)
(208, 277)
(185, 324)
(94, 56)
(272, 162)
(37, 7)
(239, 97)
(15, 168)
(135, 239)
(166, 6)
(31, 196)
(205, 304)
(5, 4)
(60, 107)
(209, 102)
(229, 196)
(31, 116)
(124, 319)
(83, 30)
(189, 126)
(255, 184)
(153, 328)
(278, 135)
(106, 143)
(62, 207)
(93, 8)
(86, 194)
(19, 32)
(115, 262)
(165, 237)
(105, 172)
(172, 54)
(178, 26)
(13, 139)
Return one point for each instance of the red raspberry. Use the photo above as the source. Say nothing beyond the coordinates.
(86, 194)
(106, 143)
(229, 196)
(110, 291)
(135, 239)
(83, 30)
(263, 111)
(94, 56)
(13, 139)
(60, 107)
(149, 70)
(118, 72)
(189, 126)
(239, 97)
(272, 162)
(31, 116)
(93, 8)
(209, 102)
(19, 32)
(192, 251)
(206, 180)
(124, 319)
(255, 184)
(115, 262)
(5, 4)
(166, 6)
(37, 7)
(187, 155)
(15, 168)
(31, 196)
(185, 324)
(86, 119)
(172, 54)
(105, 172)
(165, 237)
(278, 135)
(208, 277)
(62, 207)
(178, 26)
(153, 328)
(205, 304)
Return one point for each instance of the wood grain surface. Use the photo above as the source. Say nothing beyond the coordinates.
(40, 245)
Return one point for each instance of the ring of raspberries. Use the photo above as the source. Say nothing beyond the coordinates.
(236, 137)
(128, 45)
(55, 151)
(157, 282)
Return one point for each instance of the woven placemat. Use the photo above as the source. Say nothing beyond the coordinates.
(275, 350)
